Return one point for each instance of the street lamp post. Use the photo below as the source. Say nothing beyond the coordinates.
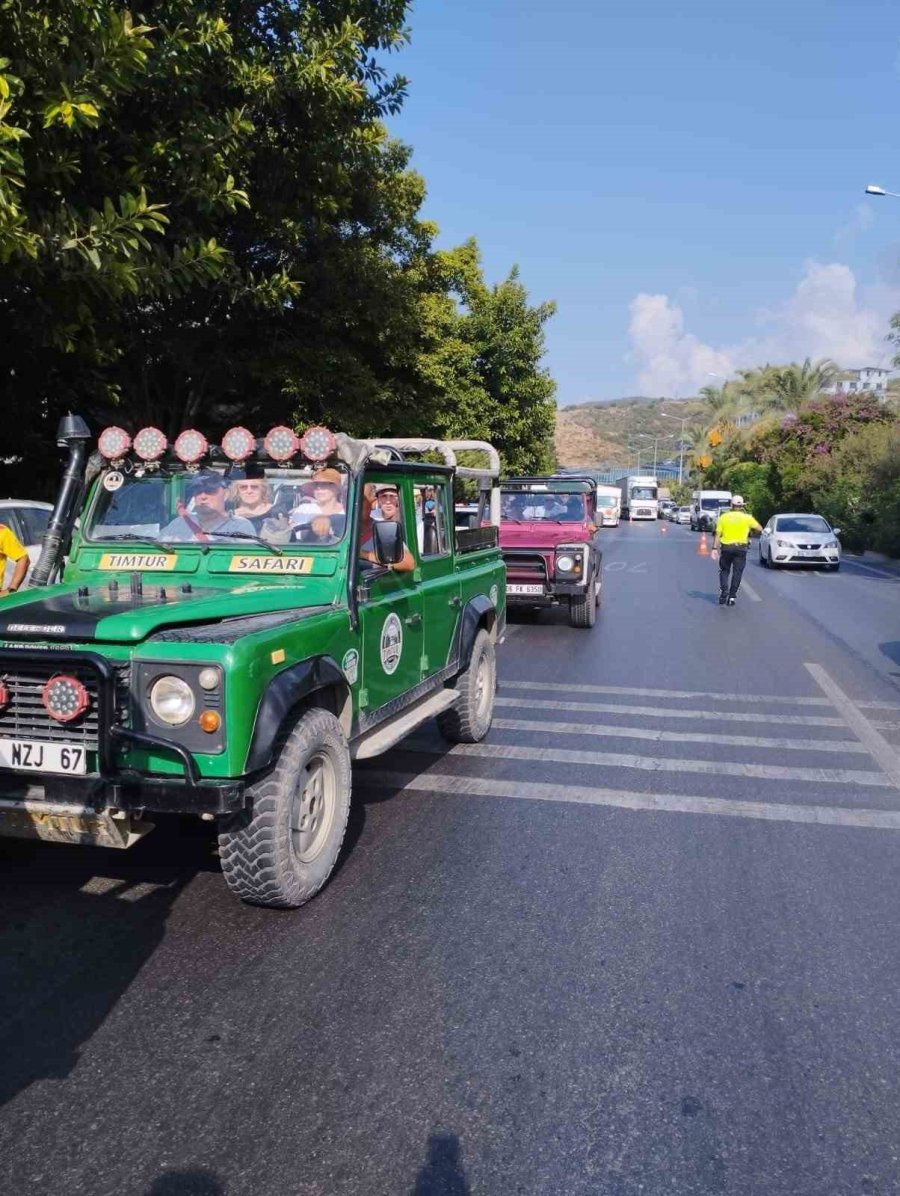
(874, 189)
(684, 420)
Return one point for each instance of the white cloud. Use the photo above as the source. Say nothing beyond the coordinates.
(826, 316)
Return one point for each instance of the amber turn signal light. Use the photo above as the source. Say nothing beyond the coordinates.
(209, 721)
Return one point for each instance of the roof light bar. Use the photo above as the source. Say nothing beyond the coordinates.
(190, 446)
(150, 444)
(114, 443)
(317, 443)
(281, 443)
(238, 443)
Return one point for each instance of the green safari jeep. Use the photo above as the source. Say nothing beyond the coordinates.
(232, 626)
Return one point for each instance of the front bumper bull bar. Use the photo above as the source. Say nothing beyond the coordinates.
(115, 786)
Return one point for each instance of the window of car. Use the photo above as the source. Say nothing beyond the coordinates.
(431, 520)
(34, 522)
(801, 523)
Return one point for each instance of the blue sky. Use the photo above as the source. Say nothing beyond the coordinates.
(684, 180)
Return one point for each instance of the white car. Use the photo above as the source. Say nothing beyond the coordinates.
(27, 520)
(682, 515)
(799, 540)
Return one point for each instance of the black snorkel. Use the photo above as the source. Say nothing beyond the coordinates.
(73, 434)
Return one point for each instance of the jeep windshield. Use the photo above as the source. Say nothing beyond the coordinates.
(539, 507)
(275, 507)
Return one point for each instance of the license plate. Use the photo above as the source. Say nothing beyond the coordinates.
(529, 589)
(33, 756)
(809, 554)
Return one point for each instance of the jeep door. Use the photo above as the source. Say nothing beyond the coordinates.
(440, 583)
(390, 613)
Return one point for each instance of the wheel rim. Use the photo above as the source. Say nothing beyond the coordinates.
(483, 688)
(312, 811)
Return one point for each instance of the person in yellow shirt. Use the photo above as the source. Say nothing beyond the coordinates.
(730, 544)
(12, 550)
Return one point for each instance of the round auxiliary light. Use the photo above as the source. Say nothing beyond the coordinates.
(150, 444)
(190, 446)
(281, 443)
(65, 698)
(4, 696)
(114, 443)
(317, 444)
(238, 444)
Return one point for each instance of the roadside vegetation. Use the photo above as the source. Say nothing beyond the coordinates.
(203, 219)
(838, 455)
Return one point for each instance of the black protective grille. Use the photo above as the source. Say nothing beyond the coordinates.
(24, 716)
(533, 566)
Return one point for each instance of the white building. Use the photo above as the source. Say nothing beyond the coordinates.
(871, 378)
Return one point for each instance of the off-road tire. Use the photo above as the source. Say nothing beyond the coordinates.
(598, 586)
(582, 610)
(469, 719)
(262, 856)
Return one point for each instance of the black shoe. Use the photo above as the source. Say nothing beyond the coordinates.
(731, 602)
(723, 598)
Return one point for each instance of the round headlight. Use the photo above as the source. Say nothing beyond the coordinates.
(208, 678)
(171, 700)
(565, 564)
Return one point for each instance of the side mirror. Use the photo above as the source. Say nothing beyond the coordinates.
(388, 542)
(835, 531)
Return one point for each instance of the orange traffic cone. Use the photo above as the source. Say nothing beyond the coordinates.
(703, 550)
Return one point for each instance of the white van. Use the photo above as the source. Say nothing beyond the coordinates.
(706, 506)
(609, 505)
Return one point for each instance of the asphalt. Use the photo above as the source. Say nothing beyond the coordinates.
(642, 941)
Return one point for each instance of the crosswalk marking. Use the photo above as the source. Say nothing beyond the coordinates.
(675, 803)
(635, 692)
(718, 716)
(767, 772)
(611, 731)
(878, 746)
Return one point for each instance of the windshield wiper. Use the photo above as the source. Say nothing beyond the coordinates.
(136, 538)
(249, 536)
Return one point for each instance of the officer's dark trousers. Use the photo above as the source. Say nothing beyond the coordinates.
(732, 560)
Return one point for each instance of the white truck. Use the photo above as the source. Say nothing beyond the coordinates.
(639, 496)
(706, 506)
(609, 505)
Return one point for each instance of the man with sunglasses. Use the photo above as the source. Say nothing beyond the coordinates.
(386, 497)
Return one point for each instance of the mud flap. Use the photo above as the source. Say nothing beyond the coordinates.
(81, 826)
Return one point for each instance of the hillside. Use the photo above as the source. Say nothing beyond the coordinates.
(608, 433)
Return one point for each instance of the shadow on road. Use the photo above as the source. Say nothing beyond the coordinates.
(76, 926)
(186, 1183)
(892, 651)
(442, 1173)
(704, 596)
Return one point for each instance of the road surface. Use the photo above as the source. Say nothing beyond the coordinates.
(643, 940)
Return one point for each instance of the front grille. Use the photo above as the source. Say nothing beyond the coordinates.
(531, 567)
(24, 717)
(809, 547)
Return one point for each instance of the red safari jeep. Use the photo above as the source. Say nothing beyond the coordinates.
(550, 543)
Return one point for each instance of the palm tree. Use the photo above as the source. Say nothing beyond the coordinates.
(793, 385)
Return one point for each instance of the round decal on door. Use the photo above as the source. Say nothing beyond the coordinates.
(391, 644)
(495, 595)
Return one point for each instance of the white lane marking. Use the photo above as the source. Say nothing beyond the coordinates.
(718, 768)
(871, 569)
(634, 692)
(659, 803)
(719, 716)
(747, 588)
(878, 746)
(877, 705)
(657, 736)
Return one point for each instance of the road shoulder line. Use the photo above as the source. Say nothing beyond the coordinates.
(878, 746)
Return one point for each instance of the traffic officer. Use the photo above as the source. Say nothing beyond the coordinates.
(11, 549)
(733, 531)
